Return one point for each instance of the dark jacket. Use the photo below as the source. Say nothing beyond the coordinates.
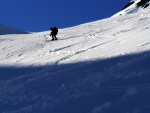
(54, 31)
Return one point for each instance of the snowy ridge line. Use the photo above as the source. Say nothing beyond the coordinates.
(135, 6)
(5, 30)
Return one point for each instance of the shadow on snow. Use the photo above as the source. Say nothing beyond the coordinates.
(115, 85)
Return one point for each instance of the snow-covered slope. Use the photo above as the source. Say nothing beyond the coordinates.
(97, 67)
(135, 6)
(4, 30)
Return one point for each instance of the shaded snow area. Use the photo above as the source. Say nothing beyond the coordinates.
(8, 30)
(97, 67)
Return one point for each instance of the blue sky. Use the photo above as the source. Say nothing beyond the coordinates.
(40, 15)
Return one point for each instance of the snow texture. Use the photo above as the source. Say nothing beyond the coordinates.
(135, 6)
(97, 67)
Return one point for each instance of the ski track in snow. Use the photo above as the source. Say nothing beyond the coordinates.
(91, 67)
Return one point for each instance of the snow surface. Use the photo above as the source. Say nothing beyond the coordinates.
(5, 30)
(97, 67)
(134, 8)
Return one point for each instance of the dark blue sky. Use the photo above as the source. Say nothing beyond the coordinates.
(39, 15)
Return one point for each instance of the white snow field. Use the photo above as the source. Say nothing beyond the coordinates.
(96, 67)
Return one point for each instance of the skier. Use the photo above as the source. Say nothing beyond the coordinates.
(53, 33)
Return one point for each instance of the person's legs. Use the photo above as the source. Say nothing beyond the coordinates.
(53, 37)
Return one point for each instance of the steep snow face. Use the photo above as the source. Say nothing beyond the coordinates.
(4, 30)
(135, 6)
(96, 40)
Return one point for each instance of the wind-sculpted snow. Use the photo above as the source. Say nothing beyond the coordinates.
(97, 67)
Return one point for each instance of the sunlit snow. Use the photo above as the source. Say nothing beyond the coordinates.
(97, 67)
